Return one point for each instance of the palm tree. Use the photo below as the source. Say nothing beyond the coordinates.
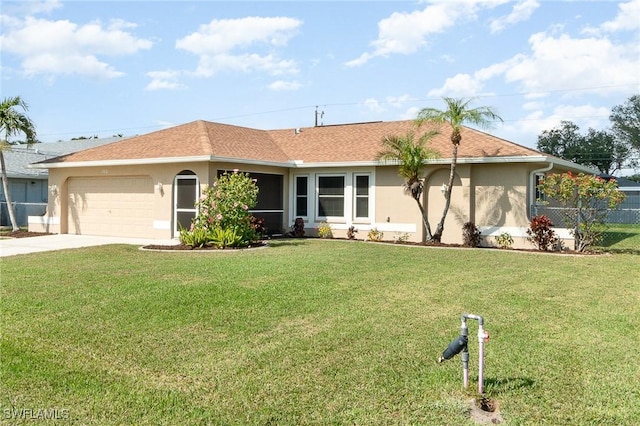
(12, 123)
(456, 114)
(410, 154)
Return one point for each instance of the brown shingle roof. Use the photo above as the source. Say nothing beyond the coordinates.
(323, 144)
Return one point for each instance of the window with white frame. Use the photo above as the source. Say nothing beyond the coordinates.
(330, 190)
(361, 197)
(302, 196)
(540, 198)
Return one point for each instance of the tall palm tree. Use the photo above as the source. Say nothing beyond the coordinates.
(12, 122)
(410, 155)
(456, 114)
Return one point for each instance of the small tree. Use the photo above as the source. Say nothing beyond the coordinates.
(410, 155)
(457, 113)
(586, 201)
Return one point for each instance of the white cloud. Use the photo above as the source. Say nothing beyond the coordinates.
(398, 101)
(521, 12)
(378, 106)
(164, 80)
(406, 32)
(589, 65)
(460, 85)
(63, 47)
(373, 105)
(410, 114)
(284, 85)
(223, 45)
(537, 120)
(563, 62)
(628, 18)
(209, 65)
(30, 8)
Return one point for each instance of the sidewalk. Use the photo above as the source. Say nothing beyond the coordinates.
(16, 246)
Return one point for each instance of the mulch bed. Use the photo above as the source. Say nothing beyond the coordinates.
(22, 234)
(182, 247)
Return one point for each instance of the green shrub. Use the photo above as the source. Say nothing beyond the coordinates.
(195, 237)
(223, 217)
(297, 230)
(375, 235)
(223, 238)
(401, 237)
(324, 230)
(504, 240)
(351, 233)
(471, 236)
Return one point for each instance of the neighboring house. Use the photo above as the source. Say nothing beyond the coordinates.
(28, 186)
(146, 186)
(629, 210)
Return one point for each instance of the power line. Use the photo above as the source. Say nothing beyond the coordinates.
(385, 102)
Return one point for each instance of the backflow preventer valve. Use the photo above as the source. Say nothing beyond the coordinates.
(460, 345)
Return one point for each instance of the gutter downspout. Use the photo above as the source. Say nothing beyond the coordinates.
(532, 185)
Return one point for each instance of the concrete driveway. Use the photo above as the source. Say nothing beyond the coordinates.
(16, 246)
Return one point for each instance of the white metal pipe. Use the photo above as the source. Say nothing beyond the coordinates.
(480, 360)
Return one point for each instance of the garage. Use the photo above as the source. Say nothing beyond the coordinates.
(111, 206)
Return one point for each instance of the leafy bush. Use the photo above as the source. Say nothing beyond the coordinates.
(324, 230)
(297, 230)
(223, 217)
(504, 240)
(401, 237)
(541, 234)
(351, 233)
(257, 224)
(375, 235)
(194, 238)
(223, 238)
(471, 235)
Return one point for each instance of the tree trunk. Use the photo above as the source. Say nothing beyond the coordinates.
(437, 236)
(425, 220)
(7, 196)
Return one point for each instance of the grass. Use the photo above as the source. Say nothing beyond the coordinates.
(317, 332)
(622, 238)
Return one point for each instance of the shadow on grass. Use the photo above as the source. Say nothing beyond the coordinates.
(508, 384)
(284, 241)
(616, 237)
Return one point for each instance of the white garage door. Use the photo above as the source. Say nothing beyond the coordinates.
(112, 206)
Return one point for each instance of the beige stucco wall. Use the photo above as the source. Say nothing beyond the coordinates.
(59, 212)
(493, 196)
(396, 214)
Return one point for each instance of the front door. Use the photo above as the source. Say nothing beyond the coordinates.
(186, 193)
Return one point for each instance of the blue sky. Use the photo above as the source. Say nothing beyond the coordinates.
(131, 67)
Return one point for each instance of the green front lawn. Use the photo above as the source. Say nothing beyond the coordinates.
(622, 237)
(317, 332)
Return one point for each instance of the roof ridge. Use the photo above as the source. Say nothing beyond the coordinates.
(204, 138)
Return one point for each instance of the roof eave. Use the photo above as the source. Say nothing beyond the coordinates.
(160, 160)
(300, 164)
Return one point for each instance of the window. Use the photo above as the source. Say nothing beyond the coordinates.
(540, 198)
(302, 196)
(270, 202)
(330, 196)
(361, 195)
